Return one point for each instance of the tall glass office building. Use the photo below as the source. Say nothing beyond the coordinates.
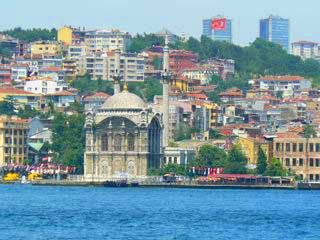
(275, 29)
(221, 35)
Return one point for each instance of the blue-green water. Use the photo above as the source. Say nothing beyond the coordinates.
(34, 212)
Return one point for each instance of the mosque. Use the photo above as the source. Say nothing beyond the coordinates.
(125, 138)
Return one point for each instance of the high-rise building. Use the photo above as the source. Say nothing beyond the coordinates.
(275, 29)
(224, 34)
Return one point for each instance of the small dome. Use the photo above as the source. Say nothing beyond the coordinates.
(124, 100)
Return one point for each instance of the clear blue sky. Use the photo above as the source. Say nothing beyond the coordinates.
(150, 15)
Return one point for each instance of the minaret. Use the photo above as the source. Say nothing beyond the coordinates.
(117, 77)
(165, 101)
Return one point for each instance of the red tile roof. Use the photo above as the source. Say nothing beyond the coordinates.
(15, 91)
(197, 95)
(288, 135)
(62, 93)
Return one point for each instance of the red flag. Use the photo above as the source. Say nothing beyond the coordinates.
(219, 24)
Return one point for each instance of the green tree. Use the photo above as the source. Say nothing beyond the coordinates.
(182, 132)
(32, 35)
(85, 85)
(309, 131)
(7, 107)
(236, 161)
(211, 156)
(262, 162)
(141, 42)
(214, 134)
(68, 140)
(275, 168)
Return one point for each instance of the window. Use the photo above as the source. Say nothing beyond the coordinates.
(175, 160)
(311, 177)
(130, 142)
(170, 159)
(287, 162)
(117, 142)
(317, 162)
(311, 162)
(104, 142)
(317, 147)
(311, 147)
(300, 147)
(294, 162)
(294, 147)
(287, 147)
(278, 147)
(300, 162)
(317, 177)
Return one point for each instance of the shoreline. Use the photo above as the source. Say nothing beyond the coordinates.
(61, 183)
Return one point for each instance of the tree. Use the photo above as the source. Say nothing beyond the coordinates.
(211, 156)
(262, 161)
(236, 161)
(85, 85)
(32, 35)
(7, 107)
(275, 168)
(182, 131)
(68, 140)
(309, 131)
(214, 134)
(141, 42)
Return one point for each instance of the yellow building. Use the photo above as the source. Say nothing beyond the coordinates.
(20, 97)
(13, 140)
(45, 48)
(250, 147)
(65, 35)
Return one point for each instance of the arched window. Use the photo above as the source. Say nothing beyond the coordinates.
(117, 142)
(104, 142)
(130, 142)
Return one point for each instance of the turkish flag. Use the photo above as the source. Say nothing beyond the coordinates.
(219, 24)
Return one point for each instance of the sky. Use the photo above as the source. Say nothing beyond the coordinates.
(179, 16)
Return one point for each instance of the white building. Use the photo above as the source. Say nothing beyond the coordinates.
(44, 86)
(305, 49)
(106, 40)
(283, 83)
(76, 51)
(132, 66)
(19, 71)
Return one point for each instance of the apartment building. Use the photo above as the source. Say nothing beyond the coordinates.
(106, 40)
(13, 140)
(103, 66)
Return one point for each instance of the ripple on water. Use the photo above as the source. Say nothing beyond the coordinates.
(138, 213)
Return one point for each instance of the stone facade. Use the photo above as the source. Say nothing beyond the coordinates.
(299, 155)
(123, 139)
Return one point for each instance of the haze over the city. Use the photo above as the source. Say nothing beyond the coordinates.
(179, 16)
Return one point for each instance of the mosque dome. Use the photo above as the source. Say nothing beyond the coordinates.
(124, 100)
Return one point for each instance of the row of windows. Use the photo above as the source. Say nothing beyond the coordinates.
(16, 150)
(15, 140)
(300, 162)
(169, 159)
(297, 147)
(117, 140)
(15, 132)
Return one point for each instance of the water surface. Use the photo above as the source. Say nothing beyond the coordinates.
(39, 212)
